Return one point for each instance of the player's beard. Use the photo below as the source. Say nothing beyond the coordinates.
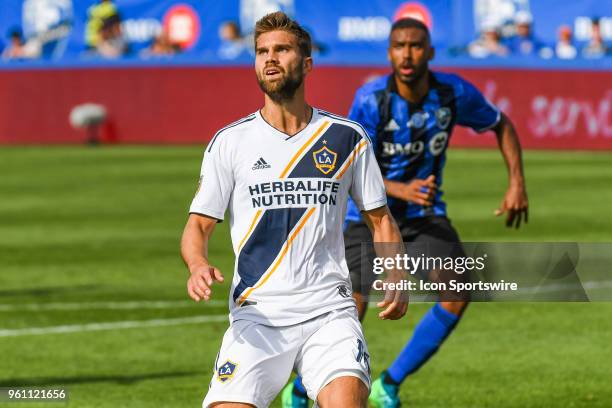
(283, 89)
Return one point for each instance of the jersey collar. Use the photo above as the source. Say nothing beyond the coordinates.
(289, 138)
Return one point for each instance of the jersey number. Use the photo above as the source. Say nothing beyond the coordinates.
(362, 355)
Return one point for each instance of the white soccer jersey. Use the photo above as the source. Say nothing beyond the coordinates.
(287, 199)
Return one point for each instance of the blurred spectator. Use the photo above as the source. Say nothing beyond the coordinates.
(524, 41)
(162, 45)
(96, 16)
(596, 48)
(232, 43)
(489, 43)
(18, 48)
(565, 48)
(110, 43)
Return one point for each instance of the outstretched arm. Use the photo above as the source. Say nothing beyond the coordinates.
(194, 249)
(515, 203)
(388, 243)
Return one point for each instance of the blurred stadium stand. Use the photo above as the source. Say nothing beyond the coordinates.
(174, 71)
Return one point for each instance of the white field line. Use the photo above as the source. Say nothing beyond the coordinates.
(161, 304)
(172, 304)
(128, 324)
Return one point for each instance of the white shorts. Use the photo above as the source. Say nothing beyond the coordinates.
(255, 360)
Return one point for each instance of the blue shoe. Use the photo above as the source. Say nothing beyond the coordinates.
(292, 398)
(384, 395)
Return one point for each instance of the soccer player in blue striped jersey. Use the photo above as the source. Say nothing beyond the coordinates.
(410, 115)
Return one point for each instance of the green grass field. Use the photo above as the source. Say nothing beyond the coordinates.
(89, 241)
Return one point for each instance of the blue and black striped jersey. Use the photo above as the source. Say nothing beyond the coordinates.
(410, 140)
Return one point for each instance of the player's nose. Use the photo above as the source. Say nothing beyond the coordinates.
(272, 56)
(406, 52)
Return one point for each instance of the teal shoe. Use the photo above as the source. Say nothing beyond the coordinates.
(291, 398)
(384, 395)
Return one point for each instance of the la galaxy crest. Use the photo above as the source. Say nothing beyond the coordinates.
(325, 159)
(226, 371)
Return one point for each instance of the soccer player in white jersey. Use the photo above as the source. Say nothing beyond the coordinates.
(285, 173)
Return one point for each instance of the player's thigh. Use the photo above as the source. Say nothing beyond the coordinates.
(347, 392)
(437, 238)
(432, 229)
(359, 257)
(336, 349)
(434, 237)
(253, 364)
(231, 405)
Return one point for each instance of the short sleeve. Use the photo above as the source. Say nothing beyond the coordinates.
(474, 110)
(367, 188)
(363, 113)
(216, 183)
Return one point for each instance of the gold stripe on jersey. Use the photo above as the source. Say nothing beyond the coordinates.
(248, 234)
(351, 158)
(299, 152)
(283, 252)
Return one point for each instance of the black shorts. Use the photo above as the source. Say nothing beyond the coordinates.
(429, 236)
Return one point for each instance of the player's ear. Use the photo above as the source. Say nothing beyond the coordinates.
(432, 53)
(307, 64)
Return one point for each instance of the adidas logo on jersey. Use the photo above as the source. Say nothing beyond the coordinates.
(392, 126)
(261, 164)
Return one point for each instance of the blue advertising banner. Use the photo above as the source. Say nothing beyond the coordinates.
(220, 32)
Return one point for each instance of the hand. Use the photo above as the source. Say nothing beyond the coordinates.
(201, 279)
(395, 303)
(515, 205)
(420, 191)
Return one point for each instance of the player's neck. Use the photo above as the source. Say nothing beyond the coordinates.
(289, 116)
(416, 91)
